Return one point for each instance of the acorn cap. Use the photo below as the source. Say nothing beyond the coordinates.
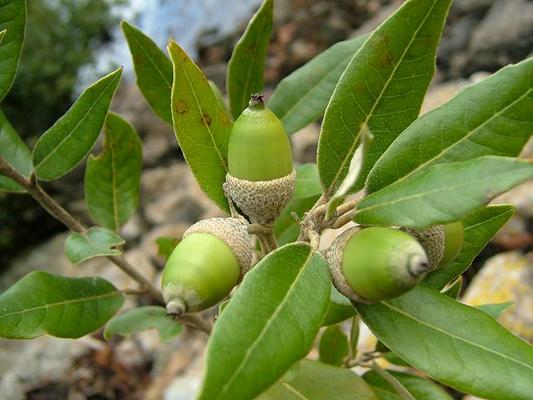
(408, 255)
(432, 240)
(334, 256)
(232, 231)
(261, 201)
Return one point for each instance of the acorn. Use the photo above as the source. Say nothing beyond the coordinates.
(261, 178)
(213, 255)
(432, 240)
(376, 263)
(454, 236)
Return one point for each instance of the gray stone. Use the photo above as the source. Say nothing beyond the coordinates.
(506, 23)
(507, 277)
(24, 365)
(470, 6)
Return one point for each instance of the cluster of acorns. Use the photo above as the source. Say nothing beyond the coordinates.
(367, 264)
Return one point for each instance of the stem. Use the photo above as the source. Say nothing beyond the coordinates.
(363, 359)
(266, 237)
(53, 208)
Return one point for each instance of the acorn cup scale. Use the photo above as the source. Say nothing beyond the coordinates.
(204, 267)
(432, 240)
(376, 263)
(261, 178)
(442, 243)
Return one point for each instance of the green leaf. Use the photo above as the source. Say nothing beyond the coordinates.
(113, 179)
(455, 344)
(340, 308)
(333, 346)
(394, 383)
(42, 303)
(442, 193)
(2, 34)
(71, 138)
(15, 152)
(142, 319)
(480, 227)
(302, 97)
(306, 192)
(12, 19)
(268, 325)
(312, 380)
(307, 182)
(354, 336)
(166, 245)
(201, 125)
(495, 309)
(419, 387)
(382, 87)
(492, 117)
(153, 70)
(245, 68)
(94, 242)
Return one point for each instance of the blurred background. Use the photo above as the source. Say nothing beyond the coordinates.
(71, 43)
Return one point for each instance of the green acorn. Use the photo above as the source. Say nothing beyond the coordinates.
(206, 265)
(260, 179)
(376, 263)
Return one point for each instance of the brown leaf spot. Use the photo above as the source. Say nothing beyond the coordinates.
(181, 107)
(225, 119)
(206, 119)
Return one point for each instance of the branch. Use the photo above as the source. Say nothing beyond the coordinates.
(58, 212)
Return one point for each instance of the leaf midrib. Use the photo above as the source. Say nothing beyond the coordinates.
(293, 390)
(69, 135)
(486, 221)
(62, 303)
(442, 331)
(385, 87)
(281, 306)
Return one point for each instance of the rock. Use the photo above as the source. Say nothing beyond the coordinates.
(178, 206)
(506, 24)
(456, 38)
(26, 364)
(470, 6)
(157, 135)
(304, 143)
(505, 35)
(521, 197)
(507, 277)
(172, 195)
(383, 13)
(186, 386)
(441, 93)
